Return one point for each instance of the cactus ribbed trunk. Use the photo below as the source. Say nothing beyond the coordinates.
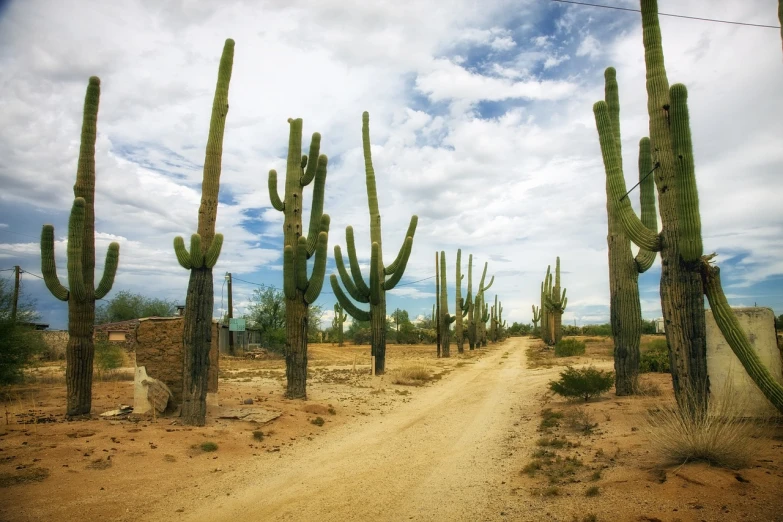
(79, 357)
(198, 331)
(378, 337)
(458, 328)
(682, 292)
(446, 319)
(296, 347)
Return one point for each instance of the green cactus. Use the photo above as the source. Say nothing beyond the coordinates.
(470, 328)
(301, 291)
(547, 320)
(462, 307)
(375, 293)
(557, 302)
(204, 251)
(685, 274)
(337, 322)
(480, 315)
(625, 307)
(536, 317)
(446, 319)
(81, 292)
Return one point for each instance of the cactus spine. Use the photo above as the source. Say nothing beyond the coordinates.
(446, 319)
(81, 293)
(337, 323)
(300, 291)
(625, 308)
(205, 248)
(461, 307)
(685, 274)
(375, 293)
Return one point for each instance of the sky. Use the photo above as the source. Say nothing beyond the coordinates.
(481, 124)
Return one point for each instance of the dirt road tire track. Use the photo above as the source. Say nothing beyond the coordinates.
(439, 457)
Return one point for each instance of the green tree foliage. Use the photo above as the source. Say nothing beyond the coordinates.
(314, 315)
(19, 342)
(569, 347)
(404, 330)
(584, 382)
(267, 313)
(126, 305)
(655, 358)
(520, 329)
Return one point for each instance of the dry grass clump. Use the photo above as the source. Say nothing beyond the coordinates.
(412, 376)
(723, 436)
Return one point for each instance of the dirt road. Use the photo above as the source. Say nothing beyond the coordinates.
(438, 457)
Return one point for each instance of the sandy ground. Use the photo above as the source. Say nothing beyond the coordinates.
(457, 448)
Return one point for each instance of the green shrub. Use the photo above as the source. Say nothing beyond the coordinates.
(208, 446)
(108, 356)
(655, 358)
(569, 347)
(318, 421)
(584, 382)
(19, 344)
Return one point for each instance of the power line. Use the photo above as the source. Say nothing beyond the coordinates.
(669, 14)
(418, 281)
(32, 274)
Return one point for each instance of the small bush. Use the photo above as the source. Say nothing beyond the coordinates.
(579, 420)
(208, 446)
(19, 345)
(412, 376)
(318, 421)
(258, 435)
(549, 419)
(723, 436)
(592, 491)
(585, 382)
(569, 347)
(655, 358)
(108, 356)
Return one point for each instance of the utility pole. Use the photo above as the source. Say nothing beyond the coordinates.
(437, 303)
(17, 271)
(230, 316)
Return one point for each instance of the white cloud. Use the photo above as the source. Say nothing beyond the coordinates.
(494, 158)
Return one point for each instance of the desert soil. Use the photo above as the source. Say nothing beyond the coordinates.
(457, 448)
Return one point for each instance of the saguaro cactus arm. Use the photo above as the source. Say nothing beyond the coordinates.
(689, 239)
(75, 245)
(109, 271)
(633, 226)
(319, 267)
(347, 304)
(645, 258)
(317, 209)
(396, 275)
(277, 203)
(48, 265)
(738, 341)
(401, 256)
(356, 272)
(346, 279)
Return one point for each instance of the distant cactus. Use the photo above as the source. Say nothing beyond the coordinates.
(337, 323)
(462, 307)
(446, 319)
(480, 314)
(204, 251)
(375, 293)
(536, 317)
(300, 291)
(81, 292)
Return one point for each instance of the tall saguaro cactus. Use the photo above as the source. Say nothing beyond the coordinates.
(375, 293)
(81, 292)
(461, 306)
(300, 291)
(338, 322)
(445, 318)
(204, 251)
(685, 274)
(625, 307)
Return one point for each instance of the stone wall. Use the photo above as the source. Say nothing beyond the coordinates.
(106, 332)
(159, 350)
(727, 375)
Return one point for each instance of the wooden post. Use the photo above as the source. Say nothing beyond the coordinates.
(230, 316)
(437, 303)
(17, 270)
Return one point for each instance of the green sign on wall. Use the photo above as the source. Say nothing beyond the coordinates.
(236, 325)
